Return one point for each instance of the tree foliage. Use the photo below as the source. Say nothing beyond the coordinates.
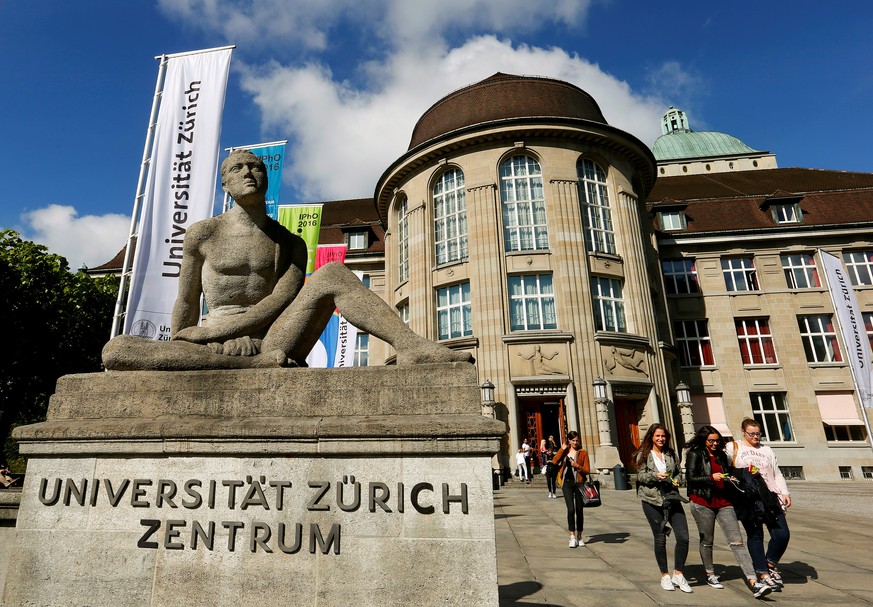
(56, 323)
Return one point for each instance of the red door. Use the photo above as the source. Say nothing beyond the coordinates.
(628, 425)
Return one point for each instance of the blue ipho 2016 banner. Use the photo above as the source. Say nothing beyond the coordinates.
(274, 158)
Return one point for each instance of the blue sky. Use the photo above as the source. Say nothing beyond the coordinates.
(345, 80)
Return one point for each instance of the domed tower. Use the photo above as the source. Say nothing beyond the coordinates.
(517, 231)
(682, 151)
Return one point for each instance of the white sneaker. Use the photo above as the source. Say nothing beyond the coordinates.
(581, 541)
(680, 581)
(666, 582)
(573, 542)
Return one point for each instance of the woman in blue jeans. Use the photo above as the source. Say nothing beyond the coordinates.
(709, 475)
(658, 473)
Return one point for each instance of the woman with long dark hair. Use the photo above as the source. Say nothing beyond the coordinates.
(658, 469)
(710, 479)
(573, 467)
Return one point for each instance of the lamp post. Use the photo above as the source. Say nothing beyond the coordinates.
(487, 399)
(601, 406)
(683, 400)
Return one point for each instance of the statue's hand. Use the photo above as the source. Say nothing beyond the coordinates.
(241, 346)
(197, 335)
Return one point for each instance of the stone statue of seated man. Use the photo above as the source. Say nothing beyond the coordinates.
(251, 270)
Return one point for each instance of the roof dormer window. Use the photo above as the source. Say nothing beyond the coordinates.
(672, 221)
(786, 212)
(357, 240)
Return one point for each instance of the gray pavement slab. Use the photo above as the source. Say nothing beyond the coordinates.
(829, 561)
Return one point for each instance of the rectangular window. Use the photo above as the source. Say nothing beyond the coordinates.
(787, 213)
(454, 314)
(756, 343)
(403, 312)
(608, 305)
(792, 473)
(867, 472)
(680, 276)
(531, 302)
(672, 220)
(842, 434)
(692, 340)
(868, 326)
(860, 267)
(403, 241)
(356, 241)
(800, 271)
(524, 206)
(819, 338)
(362, 350)
(771, 411)
(739, 274)
(450, 217)
(845, 473)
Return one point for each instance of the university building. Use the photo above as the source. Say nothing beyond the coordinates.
(603, 286)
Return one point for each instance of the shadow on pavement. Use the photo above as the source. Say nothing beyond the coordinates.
(511, 593)
(608, 538)
(797, 572)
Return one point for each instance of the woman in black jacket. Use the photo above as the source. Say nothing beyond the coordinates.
(708, 474)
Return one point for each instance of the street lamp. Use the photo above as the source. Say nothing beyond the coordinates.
(599, 389)
(683, 400)
(683, 393)
(487, 398)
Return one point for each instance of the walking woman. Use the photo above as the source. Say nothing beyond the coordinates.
(709, 477)
(657, 478)
(573, 468)
(551, 471)
(760, 459)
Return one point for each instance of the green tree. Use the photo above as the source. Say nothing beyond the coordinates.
(56, 323)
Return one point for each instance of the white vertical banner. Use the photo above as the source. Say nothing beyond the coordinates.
(851, 326)
(180, 189)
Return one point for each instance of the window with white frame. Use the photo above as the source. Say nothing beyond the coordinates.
(593, 193)
(756, 342)
(403, 241)
(786, 213)
(357, 241)
(680, 276)
(860, 267)
(450, 217)
(531, 302)
(454, 314)
(868, 326)
(671, 221)
(800, 271)
(771, 411)
(739, 274)
(841, 433)
(524, 207)
(608, 305)
(819, 338)
(692, 340)
(362, 350)
(403, 312)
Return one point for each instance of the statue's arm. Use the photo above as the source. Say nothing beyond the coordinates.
(186, 310)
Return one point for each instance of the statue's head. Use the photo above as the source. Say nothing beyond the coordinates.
(237, 160)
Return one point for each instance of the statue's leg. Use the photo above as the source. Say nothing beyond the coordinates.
(129, 353)
(333, 286)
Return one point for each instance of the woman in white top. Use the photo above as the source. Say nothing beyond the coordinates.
(760, 459)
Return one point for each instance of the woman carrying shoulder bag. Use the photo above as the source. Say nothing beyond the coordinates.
(658, 470)
(573, 468)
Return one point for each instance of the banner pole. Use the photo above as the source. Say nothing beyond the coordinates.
(121, 300)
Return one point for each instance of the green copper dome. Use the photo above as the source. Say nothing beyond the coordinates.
(679, 142)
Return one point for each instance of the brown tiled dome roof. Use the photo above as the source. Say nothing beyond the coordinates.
(502, 97)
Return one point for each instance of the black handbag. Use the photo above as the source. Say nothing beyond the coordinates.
(590, 492)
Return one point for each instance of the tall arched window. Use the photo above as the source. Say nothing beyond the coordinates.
(450, 217)
(599, 235)
(402, 241)
(524, 209)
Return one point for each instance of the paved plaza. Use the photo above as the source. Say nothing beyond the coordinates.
(829, 560)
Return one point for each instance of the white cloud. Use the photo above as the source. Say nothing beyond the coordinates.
(91, 239)
(340, 130)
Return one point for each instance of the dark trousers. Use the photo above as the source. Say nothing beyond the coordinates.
(552, 480)
(779, 537)
(573, 499)
(659, 518)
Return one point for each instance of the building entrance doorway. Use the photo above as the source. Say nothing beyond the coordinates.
(541, 418)
(627, 423)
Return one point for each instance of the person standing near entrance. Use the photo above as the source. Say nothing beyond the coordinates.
(522, 465)
(658, 470)
(573, 468)
(760, 459)
(525, 447)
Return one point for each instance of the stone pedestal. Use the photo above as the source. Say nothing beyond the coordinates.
(368, 486)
